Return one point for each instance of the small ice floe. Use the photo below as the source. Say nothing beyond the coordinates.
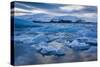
(60, 52)
(52, 48)
(82, 39)
(51, 37)
(76, 45)
(56, 45)
(40, 38)
(39, 46)
(47, 51)
(65, 18)
(88, 40)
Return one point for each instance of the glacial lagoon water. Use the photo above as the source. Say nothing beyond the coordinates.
(41, 43)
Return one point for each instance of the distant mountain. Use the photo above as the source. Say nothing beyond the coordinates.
(55, 19)
(65, 18)
(41, 18)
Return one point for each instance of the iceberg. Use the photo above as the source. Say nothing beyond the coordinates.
(65, 18)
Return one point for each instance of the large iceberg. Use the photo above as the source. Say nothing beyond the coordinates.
(65, 18)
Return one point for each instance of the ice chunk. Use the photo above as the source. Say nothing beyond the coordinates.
(56, 45)
(76, 45)
(88, 40)
(69, 18)
(39, 46)
(52, 48)
(47, 51)
(34, 46)
(40, 38)
(60, 52)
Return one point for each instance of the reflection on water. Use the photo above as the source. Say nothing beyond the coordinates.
(55, 43)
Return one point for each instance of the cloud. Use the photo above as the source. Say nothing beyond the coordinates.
(71, 8)
(38, 11)
(22, 5)
(20, 11)
(84, 12)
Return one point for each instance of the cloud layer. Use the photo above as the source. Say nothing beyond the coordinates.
(25, 8)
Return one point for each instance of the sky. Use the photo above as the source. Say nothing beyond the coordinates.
(31, 8)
